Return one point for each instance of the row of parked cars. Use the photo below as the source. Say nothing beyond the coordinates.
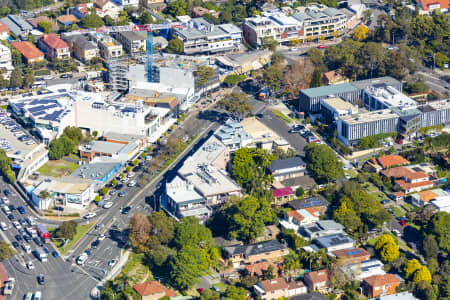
(16, 129)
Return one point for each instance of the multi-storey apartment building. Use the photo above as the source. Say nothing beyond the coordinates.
(311, 24)
(352, 128)
(132, 41)
(200, 36)
(5, 58)
(109, 47)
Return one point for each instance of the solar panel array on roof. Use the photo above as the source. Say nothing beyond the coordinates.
(353, 252)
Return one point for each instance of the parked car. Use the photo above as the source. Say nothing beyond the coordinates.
(41, 278)
(21, 210)
(89, 215)
(321, 47)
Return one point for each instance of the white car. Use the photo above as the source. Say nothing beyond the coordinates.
(37, 295)
(28, 296)
(112, 262)
(30, 265)
(132, 183)
(31, 221)
(101, 237)
(47, 77)
(131, 174)
(5, 200)
(108, 205)
(90, 215)
(125, 180)
(3, 226)
(82, 259)
(17, 225)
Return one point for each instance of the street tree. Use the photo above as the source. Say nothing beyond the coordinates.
(360, 33)
(236, 104)
(316, 79)
(139, 230)
(411, 267)
(298, 76)
(189, 263)
(6, 251)
(92, 20)
(67, 230)
(162, 229)
(273, 77)
(104, 191)
(323, 162)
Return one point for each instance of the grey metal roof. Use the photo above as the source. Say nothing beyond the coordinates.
(132, 36)
(255, 249)
(308, 202)
(96, 171)
(334, 89)
(333, 240)
(84, 44)
(332, 11)
(286, 163)
(301, 16)
(386, 80)
(16, 24)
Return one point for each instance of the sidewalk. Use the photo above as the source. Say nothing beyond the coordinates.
(3, 278)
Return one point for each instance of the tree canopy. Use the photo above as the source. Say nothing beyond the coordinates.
(204, 74)
(236, 104)
(6, 251)
(323, 162)
(175, 45)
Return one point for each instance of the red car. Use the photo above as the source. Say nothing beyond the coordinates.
(321, 47)
(399, 141)
(200, 290)
(403, 223)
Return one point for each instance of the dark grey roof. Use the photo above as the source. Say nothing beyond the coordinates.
(286, 163)
(132, 36)
(426, 108)
(255, 249)
(310, 296)
(386, 80)
(308, 202)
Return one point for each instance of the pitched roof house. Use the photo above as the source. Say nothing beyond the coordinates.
(107, 8)
(53, 46)
(271, 250)
(428, 6)
(152, 290)
(283, 195)
(318, 280)
(295, 218)
(351, 255)
(381, 285)
(67, 20)
(4, 31)
(259, 268)
(318, 202)
(283, 169)
(29, 51)
(387, 161)
(278, 288)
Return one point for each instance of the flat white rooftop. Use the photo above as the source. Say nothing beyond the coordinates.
(390, 96)
(369, 117)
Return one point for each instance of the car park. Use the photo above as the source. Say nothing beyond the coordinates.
(11, 207)
(3, 226)
(22, 222)
(27, 238)
(11, 217)
(19, 237)
(28, 296)
(17, 225)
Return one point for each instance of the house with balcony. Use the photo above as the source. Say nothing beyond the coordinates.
(54, 47)
(318, 281)
(283, 169)
(271, 251)
(109, 47)
(81, 48)
(381, 285)
(132, 41)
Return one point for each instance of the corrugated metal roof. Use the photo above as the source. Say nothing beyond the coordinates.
(334, 89)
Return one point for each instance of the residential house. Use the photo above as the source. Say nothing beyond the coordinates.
(125, 3)
(30, 53)
(293, 219)
(408, 179)
(425, 197)
(131, 41)
(385, 162)
(271, 289)
(109, 47)
(260, 268)
(198, 11)
(67, 20)
(398, 296)
(54, 47)
(318, 280)
(321, 228)
(4, 31)
(17, 25)
(81, 10)
(283, 195)
(335, 242)
(271, 250)
(360, 270)
(334, 77)
(351, 255)
(310, 296)
(397, 196)
(35, 22)
(5, 58)
(183, 200)
(442, 204)
(296, 288)
(153, 290)
(82, 49)
(107, 8)
(287, 168)
(381, 285)
(154, 5)
(427, 6)
(318, 202)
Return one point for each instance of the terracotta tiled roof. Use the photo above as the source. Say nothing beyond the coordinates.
(427, 3)
(398, 194)
(381, 280)
(274, 284)
(283, 192)
(320, 276)
(332, 75)
(351, 253)
(27, 49)
(151, 288)
(259, 268)
(53, 41)
(313, 210)
(295, 214)
(3, 28)
(427, 196)
(67, 18)
(407, 185)
(390, 161)
(295, 285)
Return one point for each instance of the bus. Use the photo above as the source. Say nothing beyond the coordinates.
(42, 232)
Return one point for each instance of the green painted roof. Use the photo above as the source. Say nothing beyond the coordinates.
(333, 89)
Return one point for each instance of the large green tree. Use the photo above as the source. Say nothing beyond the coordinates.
(204, 74)
(323, 162)
(273, 77)
(175, 46)
(187, 266)
(16, 78)
(6, 251)
(440, 227)
(92, 20)
(236, 104)
(67, 230)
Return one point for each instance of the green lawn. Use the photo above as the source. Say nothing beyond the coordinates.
(221, 286)
(57, 168)
(379, 196)
(370, 187)
(352, 173)
(397, 211)
(135, 268)
(81, 231)
(282, 116)
(408, 207)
